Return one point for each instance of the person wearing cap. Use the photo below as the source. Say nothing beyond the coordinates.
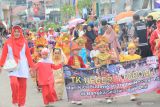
(155, 37)
(131, 56)
(76, 62)
(45, 77)
(16, 48)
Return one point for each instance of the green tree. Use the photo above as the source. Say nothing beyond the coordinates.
(67, 12)
(84, 4)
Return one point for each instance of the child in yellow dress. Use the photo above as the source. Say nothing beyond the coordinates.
(131, 56)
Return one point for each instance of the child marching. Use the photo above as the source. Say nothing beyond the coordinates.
(45, 77)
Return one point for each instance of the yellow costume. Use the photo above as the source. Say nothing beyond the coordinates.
(65, 44)
(58, 74)
(129, 57)
(103, 57)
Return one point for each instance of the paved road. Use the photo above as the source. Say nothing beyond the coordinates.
(34, 98)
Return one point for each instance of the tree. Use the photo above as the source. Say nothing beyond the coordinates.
(84, 4)
(67, 11)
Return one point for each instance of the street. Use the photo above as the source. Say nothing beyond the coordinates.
(34, 98)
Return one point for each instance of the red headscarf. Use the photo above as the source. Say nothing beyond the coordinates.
(41, 31)
(16, 43)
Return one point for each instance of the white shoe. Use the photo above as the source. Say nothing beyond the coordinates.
(73, 102)
(79, 103)
(109, 100)
(133, 98)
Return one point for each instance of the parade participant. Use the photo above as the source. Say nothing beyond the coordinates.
(158, 54)
(155, 37)
(58, 57)
(105, 55)
(30, 39)
(16, 48)
(151, 26)
(90, 36)
(51, 38)
(140, 31)
(41, 33)
(39, 43)
(131, 56)
(83, 52)
(93, 54)
(65, 44)
(50, 32)
(95, 51)
(45, 77)
(112, 40)
(76, 32)
(76, 62)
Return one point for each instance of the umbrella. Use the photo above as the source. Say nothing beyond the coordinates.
(143, 12)
(108, 17)
(125, 20)
(70, 26)
(76, 21)
(155, 15)
(124, 15)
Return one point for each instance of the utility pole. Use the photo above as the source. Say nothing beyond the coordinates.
(110, 2)
(10, 12)
(151, 4)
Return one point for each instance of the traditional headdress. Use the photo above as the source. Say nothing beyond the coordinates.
(101, 39)
(81, 40)
(65, 37)
(131, 45)
(75, 46)
(101, 44)
(41, 42)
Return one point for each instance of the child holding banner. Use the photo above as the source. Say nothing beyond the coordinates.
(45, 77)
(75, 61)
(131, 56)
(105, 56)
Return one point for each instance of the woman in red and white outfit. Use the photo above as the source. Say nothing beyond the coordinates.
(16, 48)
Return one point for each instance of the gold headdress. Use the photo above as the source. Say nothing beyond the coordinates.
(131, 45)
(41, 42)
(101, 39)
(65, 37)
(81, 40)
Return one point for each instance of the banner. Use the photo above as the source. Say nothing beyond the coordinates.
(122, 79)
(36, 9)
